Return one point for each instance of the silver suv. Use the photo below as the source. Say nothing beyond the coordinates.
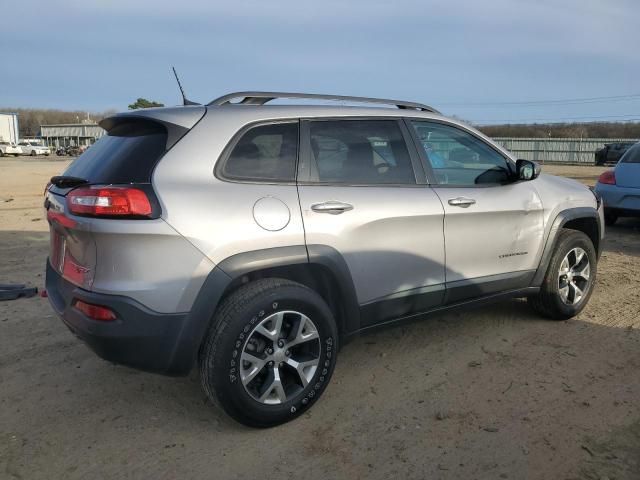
(257, 239)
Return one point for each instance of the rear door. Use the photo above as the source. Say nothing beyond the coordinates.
(363, 194)
(493, 226)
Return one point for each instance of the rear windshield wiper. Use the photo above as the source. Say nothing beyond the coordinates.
(65, 181)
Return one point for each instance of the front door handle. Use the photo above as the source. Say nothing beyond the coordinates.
(332, 207)
(463, 202)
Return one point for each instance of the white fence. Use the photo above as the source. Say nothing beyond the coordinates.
(557, 150)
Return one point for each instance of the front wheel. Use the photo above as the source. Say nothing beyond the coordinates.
(270, 352)
(569, 280)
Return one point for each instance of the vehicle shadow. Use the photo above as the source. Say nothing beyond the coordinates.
(623, 237)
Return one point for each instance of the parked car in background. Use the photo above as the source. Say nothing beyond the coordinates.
(33, 149)
(71, 150)
(612, 152)
(620, 187)
(7, 148)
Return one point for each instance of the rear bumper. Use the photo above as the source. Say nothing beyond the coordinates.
(139, 337)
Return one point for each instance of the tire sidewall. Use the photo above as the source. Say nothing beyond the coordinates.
(227, 383)
(576, 239)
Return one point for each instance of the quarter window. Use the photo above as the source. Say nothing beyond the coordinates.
(265, 153)
(459, 158)
(359, 152)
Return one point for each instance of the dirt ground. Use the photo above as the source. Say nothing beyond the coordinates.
(492, 393)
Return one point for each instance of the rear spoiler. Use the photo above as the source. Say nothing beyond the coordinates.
(176, 121)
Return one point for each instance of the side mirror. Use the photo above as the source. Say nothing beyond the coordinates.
(527, 170)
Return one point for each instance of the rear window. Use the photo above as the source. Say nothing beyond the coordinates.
(632, 155)
(127, 154)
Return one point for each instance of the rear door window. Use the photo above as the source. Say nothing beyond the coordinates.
(264, 153)
(127, 154)
(359, 152)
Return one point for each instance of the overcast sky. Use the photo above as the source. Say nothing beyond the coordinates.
(97, 55)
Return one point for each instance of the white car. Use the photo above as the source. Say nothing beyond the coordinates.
(33, 150)
(7, 148)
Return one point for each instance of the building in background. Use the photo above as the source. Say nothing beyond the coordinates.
(9, 127)
(71, 134)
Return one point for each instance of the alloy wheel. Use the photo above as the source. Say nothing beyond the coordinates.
(573, 276)
(280, 357)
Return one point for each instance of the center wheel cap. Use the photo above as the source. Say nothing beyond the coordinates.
(279, 356)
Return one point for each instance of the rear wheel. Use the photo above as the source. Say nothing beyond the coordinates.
(569, 280)
(270, 352)
(33, 153)
(610, 218)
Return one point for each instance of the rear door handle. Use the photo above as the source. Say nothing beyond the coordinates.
(332, 207)
(463, 202)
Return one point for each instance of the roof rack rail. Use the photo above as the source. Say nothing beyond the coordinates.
(260, 98)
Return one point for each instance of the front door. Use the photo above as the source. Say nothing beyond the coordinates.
(493, 226)
(363, 195)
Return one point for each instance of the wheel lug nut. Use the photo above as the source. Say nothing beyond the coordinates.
(269, 351)
(281, 364)
(281, 343)
(287, 353)
(271, 363)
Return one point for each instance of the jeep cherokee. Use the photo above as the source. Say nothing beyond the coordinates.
(254, 239)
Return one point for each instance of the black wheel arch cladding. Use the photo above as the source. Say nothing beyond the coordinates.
(579, 218)
(301, 263)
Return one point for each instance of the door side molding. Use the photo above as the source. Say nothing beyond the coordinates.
(401, 304)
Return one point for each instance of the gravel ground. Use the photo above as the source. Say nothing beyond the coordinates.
(491, 393)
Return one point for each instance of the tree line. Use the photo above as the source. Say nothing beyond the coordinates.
(565, 130)
(30, 119)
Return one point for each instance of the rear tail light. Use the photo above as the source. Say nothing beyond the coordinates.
(95, 312)
(109, 202)
(608, 178)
